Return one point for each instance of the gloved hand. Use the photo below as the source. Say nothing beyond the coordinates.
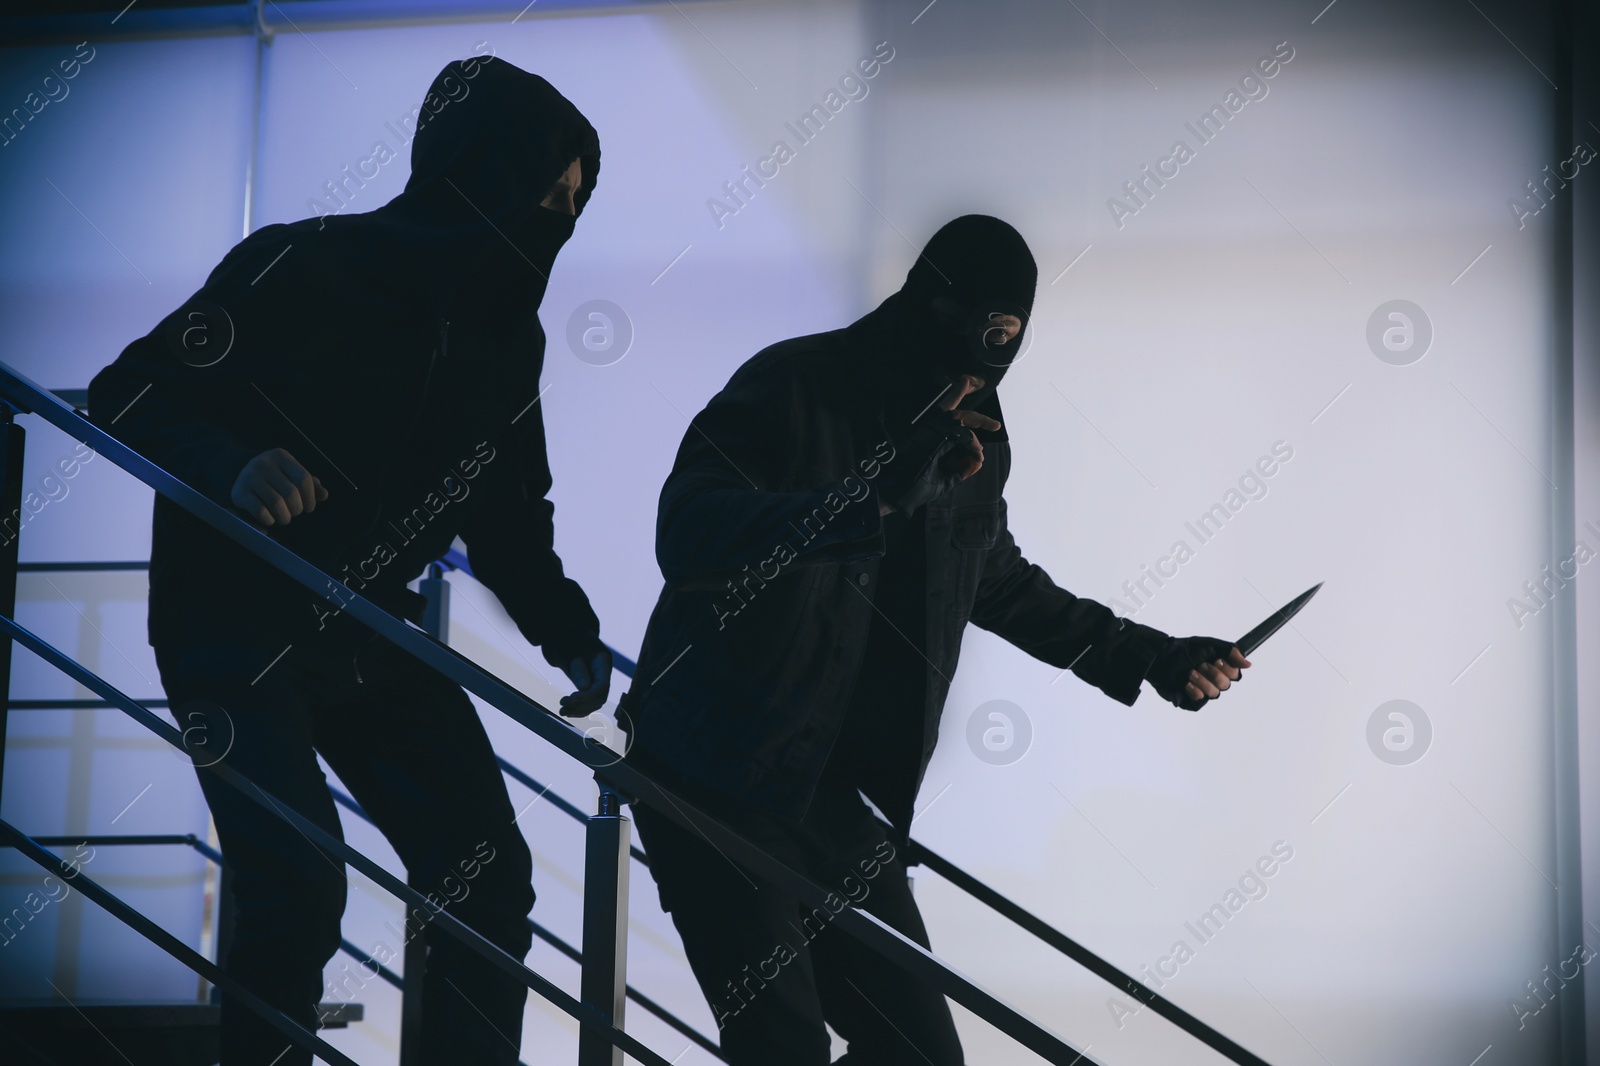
(940, 450)
(590, 673)
(1189, 671)
(924, 465)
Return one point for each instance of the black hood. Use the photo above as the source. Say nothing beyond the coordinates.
(491, 141)
(938, 324)
(497, 136)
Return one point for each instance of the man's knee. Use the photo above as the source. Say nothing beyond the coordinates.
(490, 887)
(287, 923)
(499, 871)
(327, 897)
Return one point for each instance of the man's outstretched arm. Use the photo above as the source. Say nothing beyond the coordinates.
(1018, 601)
(511, 545)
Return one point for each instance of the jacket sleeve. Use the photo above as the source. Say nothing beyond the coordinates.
(719, 511)
(1017, 601)
(511, 545)
(167, 395)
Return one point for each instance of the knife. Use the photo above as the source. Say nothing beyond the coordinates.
(1275, 621)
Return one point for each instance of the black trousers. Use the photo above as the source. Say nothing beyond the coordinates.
(409, 746)
(777, 973)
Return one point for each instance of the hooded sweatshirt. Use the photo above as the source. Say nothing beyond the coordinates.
(396, 355)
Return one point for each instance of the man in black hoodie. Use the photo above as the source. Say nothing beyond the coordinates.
(366, 387)
(833, 521)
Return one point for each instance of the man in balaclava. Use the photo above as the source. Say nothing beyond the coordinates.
(833, 521)
(364, 387)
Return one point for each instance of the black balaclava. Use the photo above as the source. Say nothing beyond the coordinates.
(491, 142)
(940, 324)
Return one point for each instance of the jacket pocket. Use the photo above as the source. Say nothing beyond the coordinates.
(975, 527)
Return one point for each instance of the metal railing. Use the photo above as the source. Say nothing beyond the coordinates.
(410, 983)
(599, 1008)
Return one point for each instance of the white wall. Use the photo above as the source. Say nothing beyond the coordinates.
(1219, 319)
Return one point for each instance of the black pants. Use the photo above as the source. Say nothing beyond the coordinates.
(773, 970)
(409, 746)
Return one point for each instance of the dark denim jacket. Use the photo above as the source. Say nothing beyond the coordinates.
(769, 538)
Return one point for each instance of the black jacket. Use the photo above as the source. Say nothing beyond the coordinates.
(769, 538)
(396, 354)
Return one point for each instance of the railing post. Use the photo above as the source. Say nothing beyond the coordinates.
(225, 919)
(436, 623)
(12, 440)
(605, 926)
(436, 619)
(412, 974)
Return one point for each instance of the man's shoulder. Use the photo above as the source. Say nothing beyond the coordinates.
(267, 256)
(796, 360)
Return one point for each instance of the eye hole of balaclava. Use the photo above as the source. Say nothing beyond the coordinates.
(990, 335)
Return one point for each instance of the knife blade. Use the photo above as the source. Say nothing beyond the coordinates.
(1275, 621)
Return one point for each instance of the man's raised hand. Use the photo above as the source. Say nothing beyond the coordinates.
(940, 451)
(968, 460)
(273, 488)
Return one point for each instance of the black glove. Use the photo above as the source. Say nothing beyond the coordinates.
(1169, 673)
(920, 470)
